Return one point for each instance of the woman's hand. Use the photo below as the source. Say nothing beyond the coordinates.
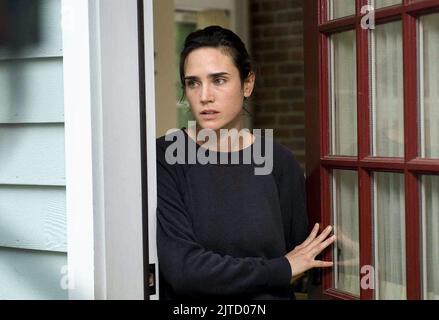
(301, 259)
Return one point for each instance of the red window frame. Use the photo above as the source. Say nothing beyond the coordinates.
(319, 162)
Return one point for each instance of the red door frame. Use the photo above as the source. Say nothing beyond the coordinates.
(318, 162)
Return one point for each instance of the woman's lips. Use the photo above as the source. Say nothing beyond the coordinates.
(209, 114)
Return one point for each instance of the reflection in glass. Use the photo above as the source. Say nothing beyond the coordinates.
(386, 3)
(343, 94)
(341, 8)
(389, 236)
(387, 90)
(345, 221)
(430, 235)
(429, 85)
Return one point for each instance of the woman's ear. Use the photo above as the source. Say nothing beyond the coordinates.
(249, 84)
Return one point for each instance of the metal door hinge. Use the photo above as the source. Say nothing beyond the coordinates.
(151, 279)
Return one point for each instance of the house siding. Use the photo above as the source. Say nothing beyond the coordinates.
(33, 249)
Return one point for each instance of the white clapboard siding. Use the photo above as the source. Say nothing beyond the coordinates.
(50, 44)
(32, 154)
(33, 228)
(33, 218)
(31, 91)
(27, 274)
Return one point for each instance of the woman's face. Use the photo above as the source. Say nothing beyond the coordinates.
(214, 89)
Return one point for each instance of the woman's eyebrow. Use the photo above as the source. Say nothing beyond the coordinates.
(218, 74)
(212, 75)
(191, 78)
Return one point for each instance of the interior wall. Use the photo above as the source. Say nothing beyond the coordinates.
(209, 12)
(213, 17)
(164, 49)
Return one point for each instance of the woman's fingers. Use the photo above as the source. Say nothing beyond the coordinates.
(324, 234)
(323, 264)
(320, 238)
(322, 246)
(311, 236)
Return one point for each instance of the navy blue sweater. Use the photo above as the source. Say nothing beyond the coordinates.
(222, 231)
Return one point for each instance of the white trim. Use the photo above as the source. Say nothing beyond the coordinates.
(103, 169)
(334, 223)
(151, 137)
(119, 114)
(98, 170)
(197, 5)
(185, 16)
(332, 92)
(240, 17)
(78, 148)
(424, 283)
(372, 82)
(375, 237)
(239, 13)
(421, 87)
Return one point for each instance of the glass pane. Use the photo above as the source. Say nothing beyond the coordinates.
(429, 85)
(389, 236)
(344, 94)
(345, 221)
(341, 8)
(386, 3)
(387, 90)
(430, 234)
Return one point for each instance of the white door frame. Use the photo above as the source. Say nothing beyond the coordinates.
(102, 145)
(148, 31)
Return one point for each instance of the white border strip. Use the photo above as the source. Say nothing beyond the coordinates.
(78, 148)
(151, 137)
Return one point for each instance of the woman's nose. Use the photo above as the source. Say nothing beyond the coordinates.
(206, 94)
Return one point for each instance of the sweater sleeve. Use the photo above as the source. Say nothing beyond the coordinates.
(189, 268)
(292, 196)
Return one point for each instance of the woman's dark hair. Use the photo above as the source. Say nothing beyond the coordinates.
(217, 37)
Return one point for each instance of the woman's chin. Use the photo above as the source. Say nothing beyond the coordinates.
(209, 125)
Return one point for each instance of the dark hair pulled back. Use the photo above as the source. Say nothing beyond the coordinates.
(217, 37)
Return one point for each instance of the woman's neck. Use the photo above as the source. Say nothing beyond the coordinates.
(228, 139)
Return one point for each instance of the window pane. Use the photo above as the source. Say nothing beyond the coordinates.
(386, 3)
(430, 234)
(341, 8)
(389, 236)
(344, 94)
(429, 85)
(387, 90)
(345, 221)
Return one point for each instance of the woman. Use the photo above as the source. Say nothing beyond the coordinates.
(224, 231)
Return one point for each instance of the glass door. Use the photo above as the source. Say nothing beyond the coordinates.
(372, 79)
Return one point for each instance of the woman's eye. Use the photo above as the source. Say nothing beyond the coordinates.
(191, 84)
(220, 81)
